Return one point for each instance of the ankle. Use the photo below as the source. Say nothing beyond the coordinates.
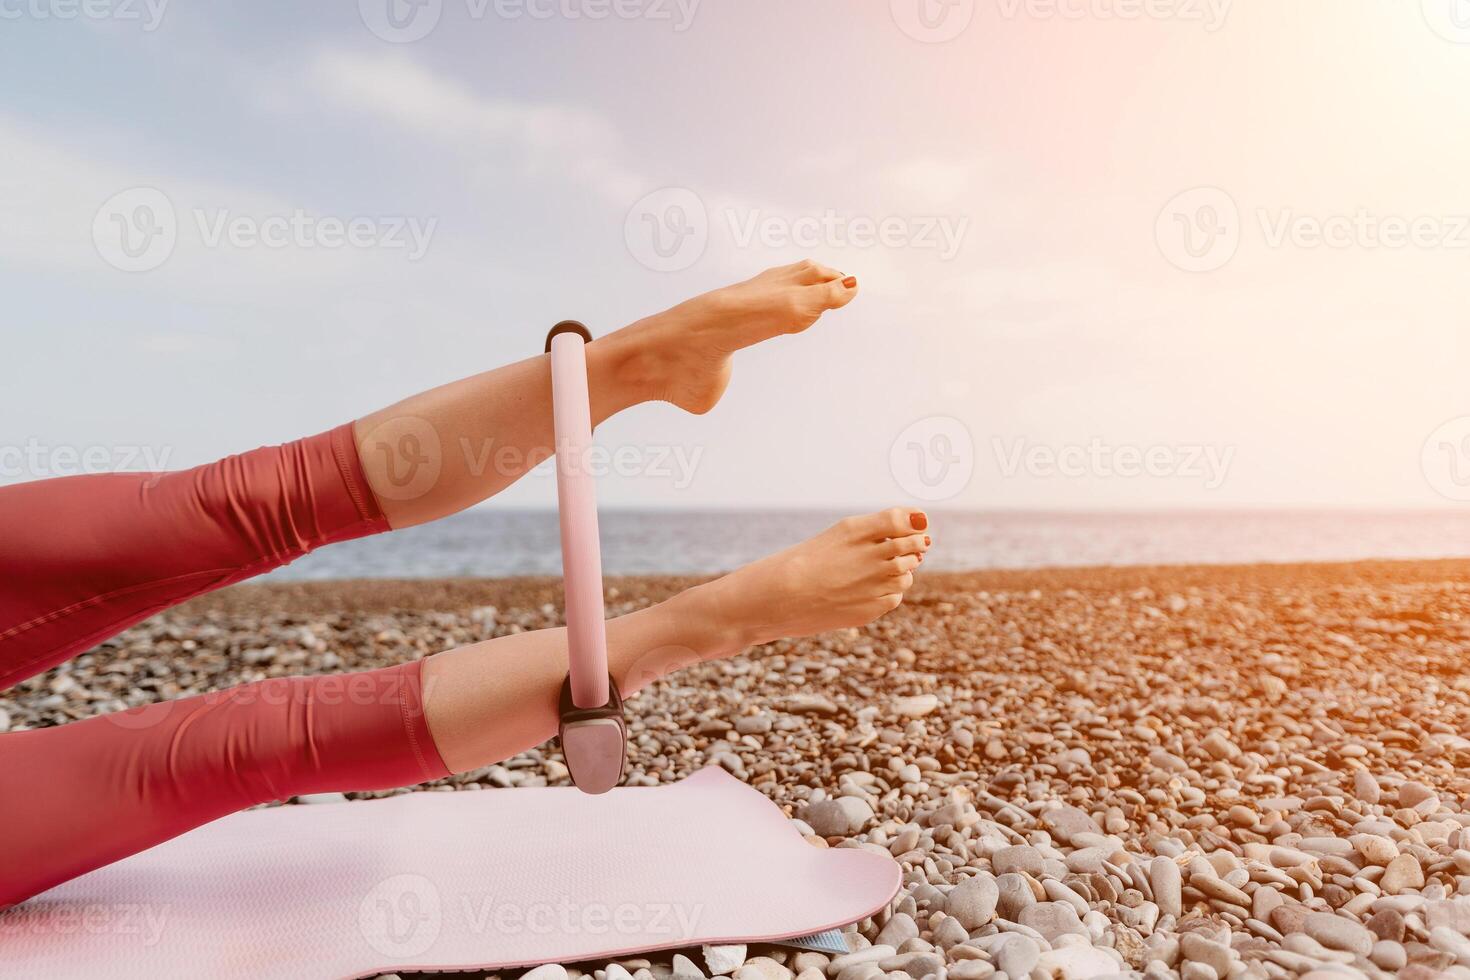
(631, 365)
(728, 627)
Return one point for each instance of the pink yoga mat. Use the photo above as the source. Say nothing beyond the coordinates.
(451, 881)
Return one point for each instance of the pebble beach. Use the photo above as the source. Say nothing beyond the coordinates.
(1195, 772)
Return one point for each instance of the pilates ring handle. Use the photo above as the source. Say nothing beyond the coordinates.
(593, 733)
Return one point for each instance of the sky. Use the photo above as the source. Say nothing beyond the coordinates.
(1114, 254)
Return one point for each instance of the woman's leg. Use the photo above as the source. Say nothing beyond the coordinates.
(438, 452)
(82, 558)
(152, 773)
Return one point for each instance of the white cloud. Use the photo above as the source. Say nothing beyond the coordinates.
(544, 137)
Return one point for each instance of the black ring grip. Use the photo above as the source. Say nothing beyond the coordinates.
(568, 326)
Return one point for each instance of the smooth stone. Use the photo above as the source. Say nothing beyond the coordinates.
(1387, 924)
(973, 901)
(1058, 892)
(312, 798)
(898, 930)
(1365, 787)
(1015, 895)
(1388, 955)
(873, 954)
(1197, 971)
(754, 724)
(547, 971)
(722, 960)
(949, 933)
(1166, 881)
(1066, 822)
(1197, 949)
(1077, 961)
(1451, 942)
(1411, 794)
(1375, 849)
(685, 969)
(970, 970)
(1018, 858)
(1402, 874)
(1288, 918)
(1338, 932)
(763, 968)
(917, 964)
(1088, 860)
(1017, 956)
(915, 707)
(810, 960)
(1264, 901)
(1221, 889)
(1052, 919)
(839, 817)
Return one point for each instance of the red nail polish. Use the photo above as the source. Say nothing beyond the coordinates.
(927, 542)
(850, 282)
(919, 521)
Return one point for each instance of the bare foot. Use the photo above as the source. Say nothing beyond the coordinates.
(849, 575)
(683, 354)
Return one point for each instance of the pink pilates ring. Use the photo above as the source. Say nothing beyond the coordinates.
(594, 736)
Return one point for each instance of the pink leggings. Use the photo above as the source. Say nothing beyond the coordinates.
(83, 558)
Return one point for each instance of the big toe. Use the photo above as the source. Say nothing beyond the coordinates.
(833, 294)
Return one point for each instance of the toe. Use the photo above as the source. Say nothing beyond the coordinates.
(895, 522)
(835, 294)
(909, 544)
(902, 565)
(808, 272)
